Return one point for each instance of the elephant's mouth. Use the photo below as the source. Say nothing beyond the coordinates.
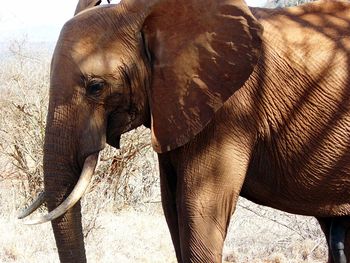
(113, 138)
(78, 191)
(115, 129)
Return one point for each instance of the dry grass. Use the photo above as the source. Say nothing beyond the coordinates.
(127, 236)
(261, 234)
(123, 221)
(142, 236)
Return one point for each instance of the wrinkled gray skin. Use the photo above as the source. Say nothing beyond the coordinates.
(280, 138)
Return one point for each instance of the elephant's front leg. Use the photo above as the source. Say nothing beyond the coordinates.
(208, 186)
(168, 185)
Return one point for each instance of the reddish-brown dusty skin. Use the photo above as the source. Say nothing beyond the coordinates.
(240, 101)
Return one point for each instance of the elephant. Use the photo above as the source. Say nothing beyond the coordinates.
(240, 101)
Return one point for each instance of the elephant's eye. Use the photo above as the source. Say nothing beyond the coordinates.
(95, 87)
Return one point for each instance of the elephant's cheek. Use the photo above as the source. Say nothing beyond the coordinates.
(91, 134)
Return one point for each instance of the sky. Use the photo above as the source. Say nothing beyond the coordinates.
(42, 20)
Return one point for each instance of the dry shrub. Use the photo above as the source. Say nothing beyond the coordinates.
(24, 90)
(126, 178)
(259, 232)
(129, 176)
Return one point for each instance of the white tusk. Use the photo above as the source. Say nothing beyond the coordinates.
(34, 206)
(78, 191)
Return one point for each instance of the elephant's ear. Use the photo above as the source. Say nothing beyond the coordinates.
(202, 52)
(85, 4)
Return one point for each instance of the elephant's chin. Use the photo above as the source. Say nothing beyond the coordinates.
(113, 140)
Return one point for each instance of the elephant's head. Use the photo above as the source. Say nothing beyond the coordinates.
(167, 64)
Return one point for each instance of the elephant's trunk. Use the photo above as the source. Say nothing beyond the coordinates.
(59, 183)
(61, 173)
